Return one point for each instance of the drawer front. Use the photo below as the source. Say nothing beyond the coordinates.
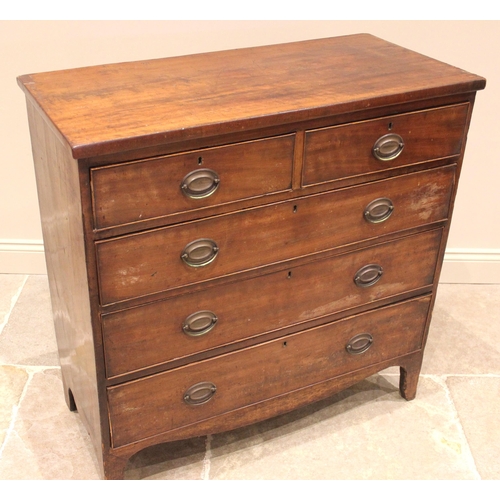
(148, 335)
(189, 181)
(150, 262)
(347, 150)
(162, 402)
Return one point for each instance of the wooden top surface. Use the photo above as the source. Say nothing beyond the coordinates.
(118, 107)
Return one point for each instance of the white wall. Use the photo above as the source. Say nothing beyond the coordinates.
(473, 253)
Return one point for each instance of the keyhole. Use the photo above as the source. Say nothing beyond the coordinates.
(289, 274)
(295, 209)
(284, 344)
(200, 160)
(390, 126)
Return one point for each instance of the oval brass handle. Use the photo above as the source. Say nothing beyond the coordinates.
(199, 323)
(359, 343)
(368, 275)
(388, 147)
(378, 210)
(200, 183)
(200, 393)
(200, 252)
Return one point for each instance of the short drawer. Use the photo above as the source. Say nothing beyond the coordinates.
(159, 332)
(195, 392)
(393, 141)
(177, 256)
(189, 181)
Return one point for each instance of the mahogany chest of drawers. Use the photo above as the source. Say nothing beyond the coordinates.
(232, 235)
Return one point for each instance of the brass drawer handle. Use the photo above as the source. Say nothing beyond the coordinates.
(200, 252)
(199, 323)
(200, 183)
(378, 210)
(359, 344)
(368, 275)
(388, 147)
(200, 393)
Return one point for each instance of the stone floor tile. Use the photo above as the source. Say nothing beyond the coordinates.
(12, 382)
(29, 337)
(477, 400)
(463, 336)
(50, 442)
(47, 440)
(367, 432)
(9, 287)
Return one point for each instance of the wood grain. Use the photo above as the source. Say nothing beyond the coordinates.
(346, 150)
(155, 404)
(262, 410)
(150, 262)
(151, 188)
(64, 244)
(152, 334)
(180, 98)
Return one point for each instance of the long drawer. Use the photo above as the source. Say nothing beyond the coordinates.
(195, 392)
(189, 181)
(162, 331)
(384, 143)
(192, 252)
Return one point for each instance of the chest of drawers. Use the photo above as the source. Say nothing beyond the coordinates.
(232, 235)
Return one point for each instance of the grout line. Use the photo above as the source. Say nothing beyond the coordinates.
(15, 409)
(31, 371)
(205, 473)
(13, 302)
(469, 457)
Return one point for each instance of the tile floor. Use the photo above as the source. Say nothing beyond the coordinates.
(450, 431)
